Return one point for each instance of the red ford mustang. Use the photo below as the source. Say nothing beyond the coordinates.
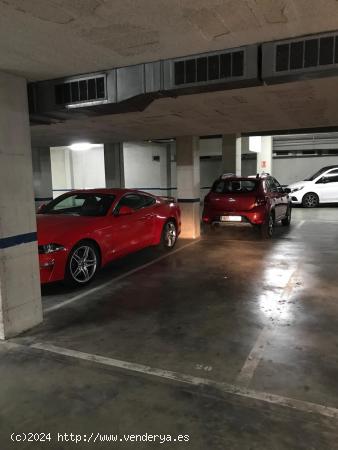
(81, 231)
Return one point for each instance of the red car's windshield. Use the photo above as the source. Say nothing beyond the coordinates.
(234, 186)
(81, 204)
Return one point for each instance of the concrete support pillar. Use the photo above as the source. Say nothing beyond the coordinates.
(231, 154)
(188, 184)
(168, 168)
(20, 297)
(42, 175)
(264, 157)
(114, 165)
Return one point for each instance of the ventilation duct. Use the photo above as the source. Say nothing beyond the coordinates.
(295, 59)
(133, 88)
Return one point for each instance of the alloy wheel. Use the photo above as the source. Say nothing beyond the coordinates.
(83, 264)
(311, 200)
(170, 235)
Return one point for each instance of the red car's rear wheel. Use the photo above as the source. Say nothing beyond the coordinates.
(169, 235)
(267, 228)
(287, 219)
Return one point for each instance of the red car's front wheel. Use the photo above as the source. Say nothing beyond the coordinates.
(82, 264)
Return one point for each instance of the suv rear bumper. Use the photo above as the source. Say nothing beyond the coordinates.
(256, 216)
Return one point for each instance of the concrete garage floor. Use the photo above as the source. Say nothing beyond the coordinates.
(230, 340)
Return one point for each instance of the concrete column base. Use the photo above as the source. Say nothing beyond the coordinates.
(191, 221)
(20, 295)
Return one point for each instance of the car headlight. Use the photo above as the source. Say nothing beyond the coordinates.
(50, 248)
(297, 189)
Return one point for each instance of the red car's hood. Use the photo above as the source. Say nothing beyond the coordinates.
(55, 228)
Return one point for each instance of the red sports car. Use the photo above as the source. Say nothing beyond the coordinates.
(81, 231)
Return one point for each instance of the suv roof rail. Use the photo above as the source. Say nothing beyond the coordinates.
(227, 175)
(262, 174)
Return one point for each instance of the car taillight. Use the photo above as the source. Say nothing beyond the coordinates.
(260, 201)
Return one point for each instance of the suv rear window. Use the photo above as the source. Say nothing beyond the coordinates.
(234, 186)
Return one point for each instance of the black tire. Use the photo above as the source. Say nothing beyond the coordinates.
(310, 200)
(169, 235)
(267, 228)
(82, 264)
(211, 228)
(287, 219)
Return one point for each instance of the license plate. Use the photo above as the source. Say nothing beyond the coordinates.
(231, 219)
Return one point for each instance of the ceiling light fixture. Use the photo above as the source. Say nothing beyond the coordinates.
(255, 144)
(80, 146)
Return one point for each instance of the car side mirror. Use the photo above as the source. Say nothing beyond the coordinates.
(287, 190)
(41, 208)
(125, 211)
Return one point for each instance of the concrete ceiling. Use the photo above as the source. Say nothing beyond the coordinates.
(43, 39)
(302, 104)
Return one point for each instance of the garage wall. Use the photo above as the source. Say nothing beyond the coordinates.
(42, 177)
(145, 167)
(300, 155)
(249, 166)
(62, 179)
(290, 170)
(211, 147)
(88, 168)
(77, 170)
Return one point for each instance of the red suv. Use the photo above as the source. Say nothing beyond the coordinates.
(260, 201)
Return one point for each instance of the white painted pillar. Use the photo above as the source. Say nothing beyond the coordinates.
(42, 175)
(20, 297)
(188, 184)
(114, 165)
(231, 154)
(264, 157)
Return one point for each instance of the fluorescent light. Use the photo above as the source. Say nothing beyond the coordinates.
(80, 146)
(85, 104)
(255, 144)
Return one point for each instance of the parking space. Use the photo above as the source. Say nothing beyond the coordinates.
(230, 326)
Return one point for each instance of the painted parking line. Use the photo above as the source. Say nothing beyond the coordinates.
(251, 363)
(248, 370)
(114, 280)
(299, 224)
(220, 387)
(321, 221)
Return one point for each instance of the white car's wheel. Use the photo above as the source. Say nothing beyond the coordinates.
(310, 200)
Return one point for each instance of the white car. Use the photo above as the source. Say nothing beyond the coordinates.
(322, 187)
